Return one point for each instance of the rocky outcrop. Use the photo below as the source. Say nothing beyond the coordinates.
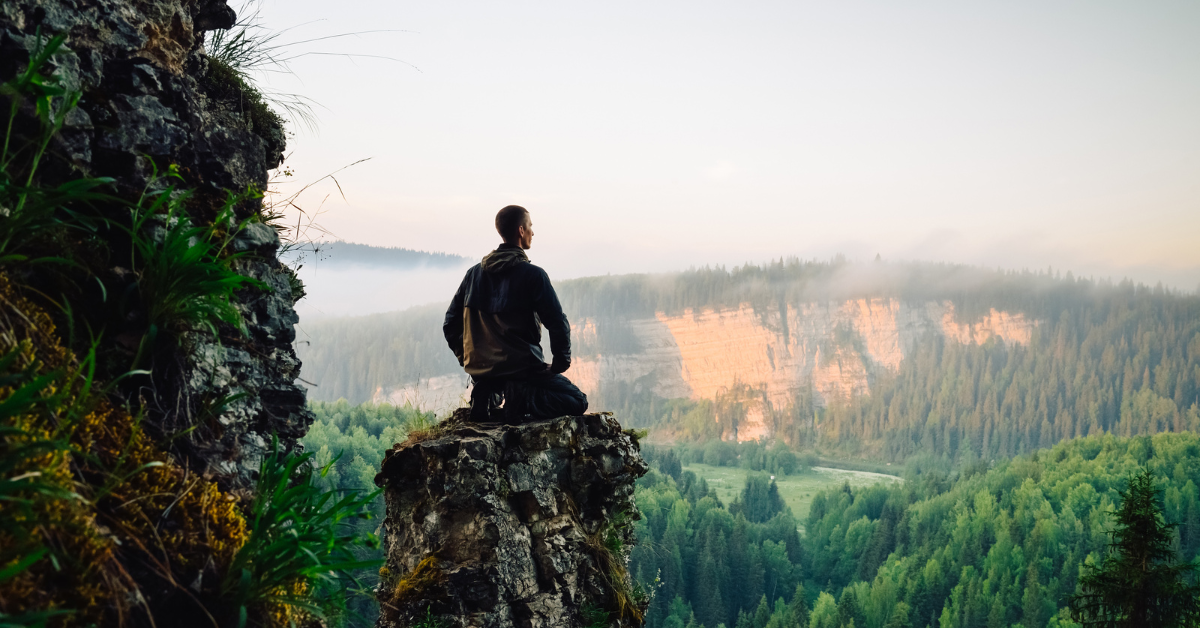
(153, 102)
(505, 526)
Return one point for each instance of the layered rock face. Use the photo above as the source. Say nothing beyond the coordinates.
(509, 526)
(151, 101)
(835, 348)
(766, 358)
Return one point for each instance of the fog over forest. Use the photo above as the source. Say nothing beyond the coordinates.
(347, 279)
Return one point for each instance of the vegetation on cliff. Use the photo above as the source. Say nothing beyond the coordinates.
(113, 515)
(348, 443)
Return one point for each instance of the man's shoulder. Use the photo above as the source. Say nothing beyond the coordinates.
(535, 272)
(535, 268)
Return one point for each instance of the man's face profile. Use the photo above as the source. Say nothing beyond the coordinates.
(525, 233)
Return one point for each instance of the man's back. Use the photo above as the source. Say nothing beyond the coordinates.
(493, 326)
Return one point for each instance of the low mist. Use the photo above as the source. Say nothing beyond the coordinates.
(347, 279)
(370, 290)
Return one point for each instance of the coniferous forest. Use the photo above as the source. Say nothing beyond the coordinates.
(976, 544)
(194, 432)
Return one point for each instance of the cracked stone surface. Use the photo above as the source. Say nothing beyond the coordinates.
(504, 515)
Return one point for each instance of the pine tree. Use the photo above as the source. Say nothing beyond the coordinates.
(1140, 585)
(762, 614)
(799, 606)
(899, 618)
(849, 611)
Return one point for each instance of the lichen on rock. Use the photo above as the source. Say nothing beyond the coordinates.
(521, 525)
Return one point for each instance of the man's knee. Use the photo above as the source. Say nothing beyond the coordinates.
(573, 397)
(560, 397)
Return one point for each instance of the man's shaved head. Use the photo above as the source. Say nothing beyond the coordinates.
(509, 220)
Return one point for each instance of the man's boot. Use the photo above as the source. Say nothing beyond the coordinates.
(485, 402)
(516, 403)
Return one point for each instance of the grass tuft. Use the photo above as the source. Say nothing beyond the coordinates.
(609, 548)
(301, 545)
(185, 277)
(429, 620)
(422, 427)
(227, 84)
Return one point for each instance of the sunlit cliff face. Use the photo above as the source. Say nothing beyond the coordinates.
(836, 348)
(764, 359)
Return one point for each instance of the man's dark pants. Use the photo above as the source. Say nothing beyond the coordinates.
(536, 395)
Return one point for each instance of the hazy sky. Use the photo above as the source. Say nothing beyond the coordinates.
(649, 136)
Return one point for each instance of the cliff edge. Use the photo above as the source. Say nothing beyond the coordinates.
(498, 526)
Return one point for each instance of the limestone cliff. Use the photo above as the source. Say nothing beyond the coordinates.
(836, 349)
(766, 357)
(506, 526)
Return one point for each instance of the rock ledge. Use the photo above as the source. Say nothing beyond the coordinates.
(506, 526)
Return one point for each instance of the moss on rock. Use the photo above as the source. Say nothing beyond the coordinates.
(116, 514)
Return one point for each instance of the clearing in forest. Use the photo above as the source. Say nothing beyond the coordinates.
(797, 490)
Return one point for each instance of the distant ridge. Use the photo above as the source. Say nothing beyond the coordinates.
(339, 253)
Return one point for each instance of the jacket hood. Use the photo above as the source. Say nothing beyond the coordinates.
(503, 258)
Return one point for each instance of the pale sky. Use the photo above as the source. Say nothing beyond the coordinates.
(654, 136)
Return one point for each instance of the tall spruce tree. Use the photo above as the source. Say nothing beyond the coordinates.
(1141, 584)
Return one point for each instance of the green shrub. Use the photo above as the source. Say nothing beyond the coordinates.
(185, 276)
(593, 616)
(300, 552)
(27, 210)
(20, 487)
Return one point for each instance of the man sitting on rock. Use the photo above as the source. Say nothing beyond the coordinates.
(493, 328)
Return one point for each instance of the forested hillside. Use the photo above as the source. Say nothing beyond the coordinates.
(1099, 357)
(353, 358)
(976, 548)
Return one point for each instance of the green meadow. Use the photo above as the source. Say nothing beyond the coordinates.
(797, 491)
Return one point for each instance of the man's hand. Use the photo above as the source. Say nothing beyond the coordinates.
(560, 365)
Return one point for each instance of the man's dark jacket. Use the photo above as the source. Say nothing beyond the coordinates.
(492, 323)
